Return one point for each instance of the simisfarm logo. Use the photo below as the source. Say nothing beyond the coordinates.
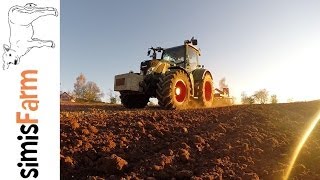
(21, 39)
(28, 124)
(27, 116)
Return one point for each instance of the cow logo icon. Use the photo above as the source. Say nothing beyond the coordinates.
(21, 39)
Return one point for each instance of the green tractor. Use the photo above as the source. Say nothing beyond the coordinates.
(175, 80)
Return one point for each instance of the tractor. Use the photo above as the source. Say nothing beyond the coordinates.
(175, 79)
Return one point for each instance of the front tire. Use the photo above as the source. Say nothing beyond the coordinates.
(173, 90)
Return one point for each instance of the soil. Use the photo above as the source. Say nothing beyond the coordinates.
(102, 141)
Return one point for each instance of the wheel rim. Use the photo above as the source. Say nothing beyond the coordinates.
(180, 91)
(207, 91)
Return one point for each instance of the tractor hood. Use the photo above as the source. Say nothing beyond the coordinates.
(154, 66)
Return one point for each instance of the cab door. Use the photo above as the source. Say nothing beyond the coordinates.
(191, 59)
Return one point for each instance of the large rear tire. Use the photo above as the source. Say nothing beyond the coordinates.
(173, 90)
(205, 94)
(133, 100)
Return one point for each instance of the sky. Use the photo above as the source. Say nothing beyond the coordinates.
(273, 45)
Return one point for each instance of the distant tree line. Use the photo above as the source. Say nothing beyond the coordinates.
(260, 97)
(88, 91)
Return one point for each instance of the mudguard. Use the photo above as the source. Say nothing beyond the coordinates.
(198, 74)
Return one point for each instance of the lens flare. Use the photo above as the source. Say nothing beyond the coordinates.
(301, 143)
(178, 91)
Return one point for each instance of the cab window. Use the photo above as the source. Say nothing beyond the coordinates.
(175, 55)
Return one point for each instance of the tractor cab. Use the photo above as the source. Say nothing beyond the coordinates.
(185, 56)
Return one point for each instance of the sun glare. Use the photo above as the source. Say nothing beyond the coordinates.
(178, 91)
(301, 143)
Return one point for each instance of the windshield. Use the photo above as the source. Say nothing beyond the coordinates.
(175, 54)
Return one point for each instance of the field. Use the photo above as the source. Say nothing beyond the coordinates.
(238, 142)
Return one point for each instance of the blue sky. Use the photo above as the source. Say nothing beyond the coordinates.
(253, 44)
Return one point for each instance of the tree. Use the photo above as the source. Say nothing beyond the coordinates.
(233, 100)
(79, 86)
(88, 91)
(113, 97)
(290, 100)
(261, 96)
(92, 92)
(274, 99)
(113, 100)
(245, 99)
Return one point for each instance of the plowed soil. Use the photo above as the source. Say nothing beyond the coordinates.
(236, 142)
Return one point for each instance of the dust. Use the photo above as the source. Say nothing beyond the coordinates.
(222, 83)
(195, 104)
(217, 102)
